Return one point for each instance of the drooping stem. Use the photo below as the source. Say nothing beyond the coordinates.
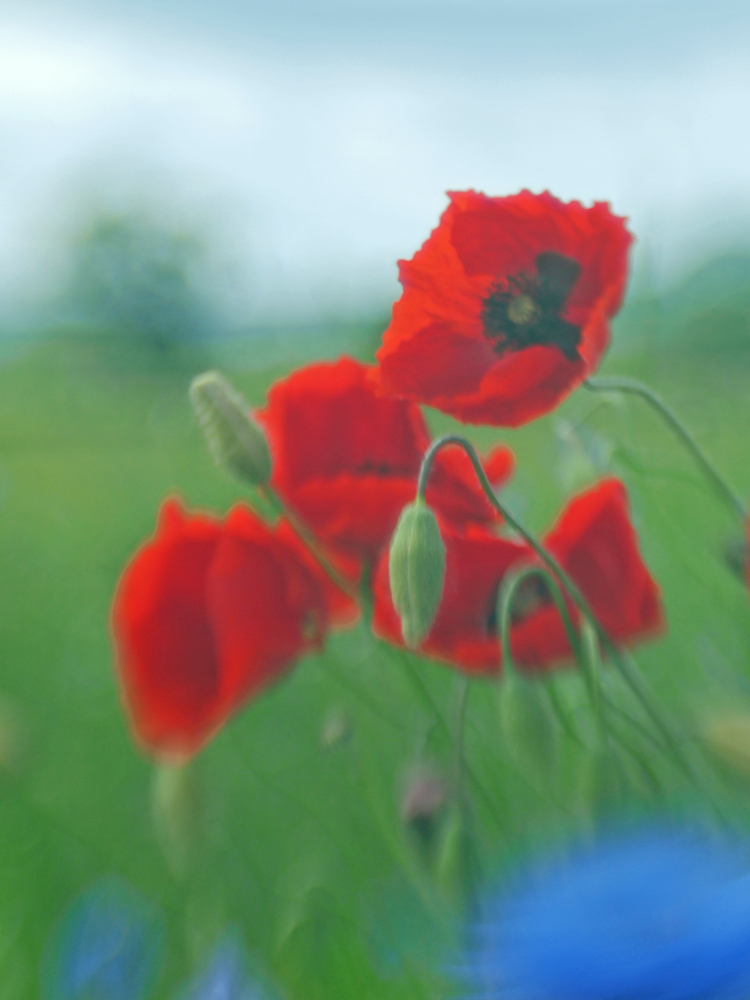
(701, 459)
(429, 458)
(585, 648)
(625, 667)
(506, 598)
(511, 585)
(591, 657)
(549, 560)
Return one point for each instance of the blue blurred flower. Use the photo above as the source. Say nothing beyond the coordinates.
(224, 977)
(662, 914)
(106, 947)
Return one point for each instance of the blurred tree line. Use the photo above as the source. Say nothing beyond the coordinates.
(143, 280)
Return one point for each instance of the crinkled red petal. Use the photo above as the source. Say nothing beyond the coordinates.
(435, 351)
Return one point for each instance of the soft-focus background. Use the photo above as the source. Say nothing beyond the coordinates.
(307, 145)
(186, 185)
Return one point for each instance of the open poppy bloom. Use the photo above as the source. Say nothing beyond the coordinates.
(346, 460)
(595, 544)
(506, 307)
(206, 614)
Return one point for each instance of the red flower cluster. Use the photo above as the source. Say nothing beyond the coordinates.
(594, 543)
(206, 614)
(346, 460)
(506, 307)
(505, 310)
(209, 612)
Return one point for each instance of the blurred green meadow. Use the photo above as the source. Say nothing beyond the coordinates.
(290, 824)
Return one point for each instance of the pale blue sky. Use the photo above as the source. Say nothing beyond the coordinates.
(319, 137)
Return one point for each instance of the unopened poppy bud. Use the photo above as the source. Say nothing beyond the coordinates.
(235, 440)
(417, 570)
(528, 724)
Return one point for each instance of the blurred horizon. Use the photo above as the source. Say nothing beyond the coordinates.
(311, 144)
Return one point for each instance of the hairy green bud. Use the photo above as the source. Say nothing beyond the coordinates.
(417, 571)
(235, 440)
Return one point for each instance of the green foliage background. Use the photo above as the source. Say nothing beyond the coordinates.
(296, 835)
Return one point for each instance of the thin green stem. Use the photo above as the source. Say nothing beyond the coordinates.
(562, 715)
(463, 697)
(636, 388)
(280, 509)
(429, 457)
(626, 717)
(591, 657)
(468, 846)
(506, 597)
(511, 585)
(429, 701)
(625, 667)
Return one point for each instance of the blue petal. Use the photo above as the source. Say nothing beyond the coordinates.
(224, 976)
(662, 915)
(106, 947)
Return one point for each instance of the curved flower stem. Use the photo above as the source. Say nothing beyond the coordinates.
(581, 653)
(513, 581)
(636, 388)
(281, 510)
(625, 666)
(586, 653)
(591, 656)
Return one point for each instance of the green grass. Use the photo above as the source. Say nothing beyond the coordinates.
(301, 844)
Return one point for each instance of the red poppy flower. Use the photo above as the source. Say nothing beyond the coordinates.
(594, 542)
(346, 460)
(506, 307)
(206, 614)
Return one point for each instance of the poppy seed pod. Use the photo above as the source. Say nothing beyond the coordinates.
(235, 440)
(417, 570)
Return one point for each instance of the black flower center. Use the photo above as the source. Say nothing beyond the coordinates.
(532, 594)
(524, 309)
